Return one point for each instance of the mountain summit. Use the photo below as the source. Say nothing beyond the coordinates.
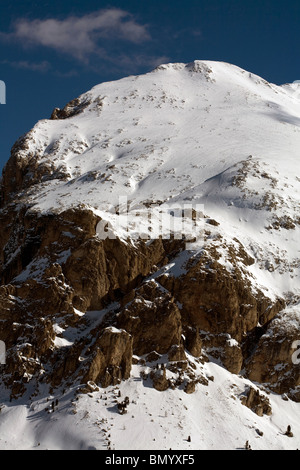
(150, 235)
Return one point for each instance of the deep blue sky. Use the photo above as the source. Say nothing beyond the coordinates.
(52, 51)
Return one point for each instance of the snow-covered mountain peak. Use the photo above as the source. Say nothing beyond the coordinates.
(95, 293)
(205, 132)
(293, 89)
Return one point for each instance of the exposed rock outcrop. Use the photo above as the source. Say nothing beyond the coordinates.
(159, 378)
(219, 301)
(257, 402)
(71, 109)
(153, 319)
(111, 358)
(275, 361)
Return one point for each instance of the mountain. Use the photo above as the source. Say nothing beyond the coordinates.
(149, 266)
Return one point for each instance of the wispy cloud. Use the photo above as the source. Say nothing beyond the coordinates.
(79, 37)
(43, 66)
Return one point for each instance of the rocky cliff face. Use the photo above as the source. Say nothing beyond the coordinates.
(55, 270)
(75, 308)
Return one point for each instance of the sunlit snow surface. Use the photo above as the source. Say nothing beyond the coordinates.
(213, 417)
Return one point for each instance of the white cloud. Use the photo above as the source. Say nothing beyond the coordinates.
(79, 36)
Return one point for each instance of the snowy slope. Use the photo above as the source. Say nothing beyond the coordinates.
(213, 417)
(166, 132)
